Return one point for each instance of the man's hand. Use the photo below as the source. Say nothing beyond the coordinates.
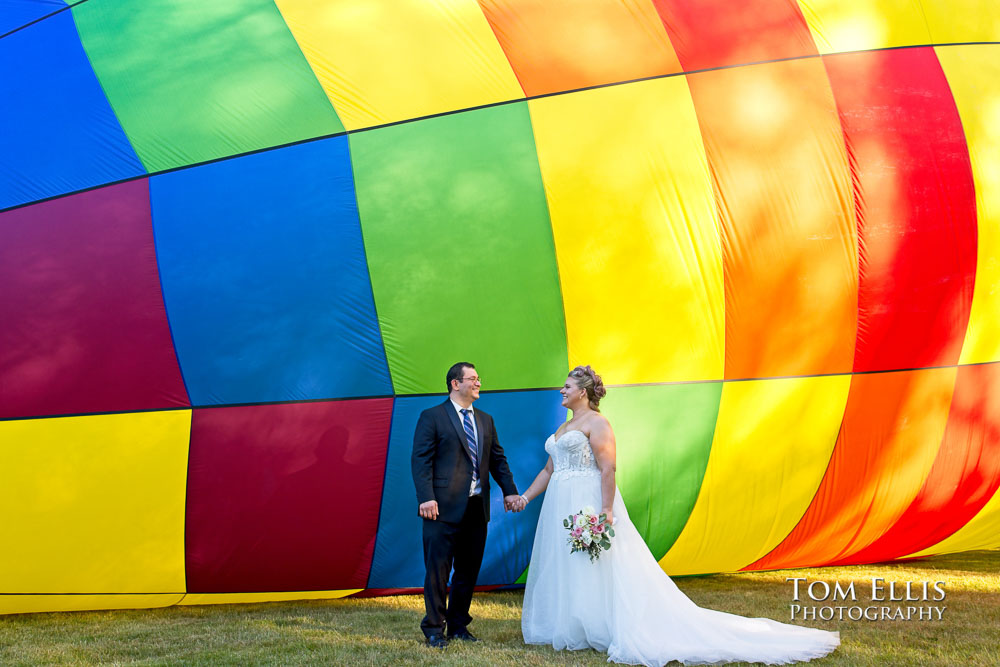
(429, 510)
(512, 503)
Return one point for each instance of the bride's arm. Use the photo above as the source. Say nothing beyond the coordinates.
(540, 484)
(602, 441)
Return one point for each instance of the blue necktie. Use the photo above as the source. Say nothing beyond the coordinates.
(470, 440)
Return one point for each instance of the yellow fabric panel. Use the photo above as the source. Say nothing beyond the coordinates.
(31, 604)
(856, 25)
(636, 232)
(381, 61)
(94, 504)
(973, 73)
(230, 598)
(982, 532)
(952, 21)
(772, 443)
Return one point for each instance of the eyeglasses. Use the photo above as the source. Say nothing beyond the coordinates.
(473, 379)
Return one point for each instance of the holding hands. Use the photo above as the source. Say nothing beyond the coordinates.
(429, 510)
(514, 503)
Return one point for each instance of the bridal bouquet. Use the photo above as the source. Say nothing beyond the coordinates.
(588, 532)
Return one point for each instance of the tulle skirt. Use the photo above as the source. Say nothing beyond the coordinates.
(623, 603)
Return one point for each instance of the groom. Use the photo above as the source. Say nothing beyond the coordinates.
(455, 447)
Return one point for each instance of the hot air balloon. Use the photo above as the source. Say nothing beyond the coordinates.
(242, 242)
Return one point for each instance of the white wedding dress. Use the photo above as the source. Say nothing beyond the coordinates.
(623, 603)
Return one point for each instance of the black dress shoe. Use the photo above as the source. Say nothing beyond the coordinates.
(437, 641)
(464, 635)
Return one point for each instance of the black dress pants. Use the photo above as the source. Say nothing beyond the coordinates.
(452, 544)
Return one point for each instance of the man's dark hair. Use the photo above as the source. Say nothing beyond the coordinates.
(456, 372)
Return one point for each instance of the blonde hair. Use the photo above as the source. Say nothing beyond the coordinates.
(591, 382)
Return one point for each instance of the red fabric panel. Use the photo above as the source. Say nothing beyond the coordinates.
(82, 322)
(892, 430)
(715, 33)
(916, 207)
(285, 497)
(965, 475)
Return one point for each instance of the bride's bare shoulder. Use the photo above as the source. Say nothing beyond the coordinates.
(596, 424)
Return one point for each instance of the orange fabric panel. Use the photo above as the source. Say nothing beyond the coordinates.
(789, 236)
(892, 430)
(558, 45)
(965, 474)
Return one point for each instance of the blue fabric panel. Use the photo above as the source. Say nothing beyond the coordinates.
(523, 421)
(59, 132)
(265, 280)
(16, 13)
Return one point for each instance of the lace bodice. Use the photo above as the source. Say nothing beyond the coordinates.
(571, 455)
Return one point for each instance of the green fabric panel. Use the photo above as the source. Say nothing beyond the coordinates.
(460, 250)
(192, 81)
(523, 579)
(663, 435)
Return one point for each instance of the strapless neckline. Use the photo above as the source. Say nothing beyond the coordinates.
(572, 430)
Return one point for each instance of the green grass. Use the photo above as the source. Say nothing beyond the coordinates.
(378, 631)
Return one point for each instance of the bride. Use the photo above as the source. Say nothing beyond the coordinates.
(623, 603)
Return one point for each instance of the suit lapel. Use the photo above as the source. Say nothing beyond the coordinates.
(459, 429)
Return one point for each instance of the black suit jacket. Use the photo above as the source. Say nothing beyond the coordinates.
(442, 464)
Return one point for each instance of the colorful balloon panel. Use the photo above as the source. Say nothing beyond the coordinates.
(284, 497)
(479, 247)
(15, 14)
(100, 504)
(891, 431)
(191, 83)
(917, 239)
(614, 173)
(265, 280)
(560, 45)
(779, 462)
(383, 61)
(84, 327)
(709, 34)
(973, 74)
(67, 137)
(240, 245)
(838, 26)
(669, 429)
(787, 229)
(965, 473)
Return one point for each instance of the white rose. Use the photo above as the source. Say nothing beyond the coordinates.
(581, 521)
(588, 510)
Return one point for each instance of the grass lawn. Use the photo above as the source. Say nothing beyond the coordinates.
(379, 631)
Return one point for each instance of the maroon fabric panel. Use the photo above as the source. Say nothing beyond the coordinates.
(285, 497)
(965, 474)
(714, 33)
(82, 322)
(916, 207)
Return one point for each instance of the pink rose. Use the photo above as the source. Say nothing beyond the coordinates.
(593, 520)
(598, 528)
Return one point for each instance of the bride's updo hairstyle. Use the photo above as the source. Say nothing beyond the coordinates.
(587, 379)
